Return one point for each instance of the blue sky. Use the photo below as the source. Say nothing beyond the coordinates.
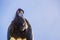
(43, 15)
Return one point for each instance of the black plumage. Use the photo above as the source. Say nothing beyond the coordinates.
(16, 26)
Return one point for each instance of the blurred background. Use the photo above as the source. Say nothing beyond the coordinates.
(43, 15)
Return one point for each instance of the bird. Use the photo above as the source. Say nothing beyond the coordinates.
(20, 28)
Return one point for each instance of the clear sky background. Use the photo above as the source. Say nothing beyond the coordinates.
(43, 15)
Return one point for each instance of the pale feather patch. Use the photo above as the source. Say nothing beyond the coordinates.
(12, 38)
(24, 39)
(19, 38)
(26, 26)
